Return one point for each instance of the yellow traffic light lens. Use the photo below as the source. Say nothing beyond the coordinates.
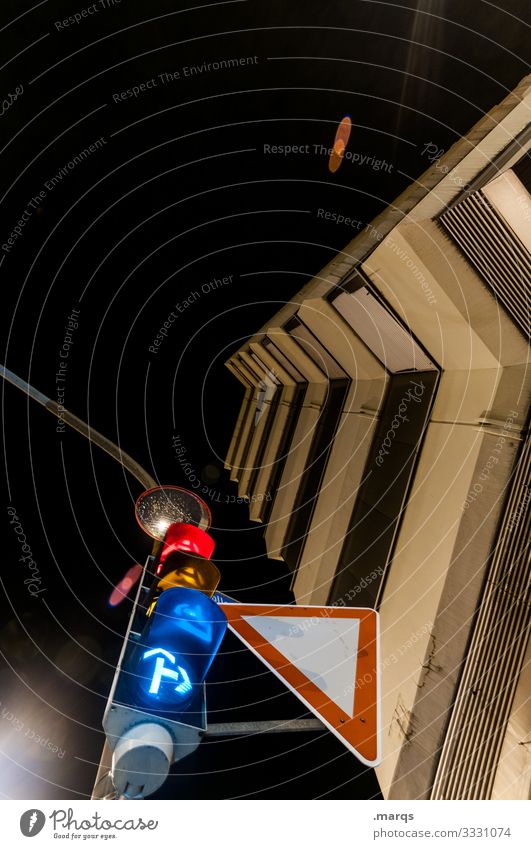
(181, 569)
(193, 572)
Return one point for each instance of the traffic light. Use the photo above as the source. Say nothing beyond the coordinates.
(183, 628)
(157, 709)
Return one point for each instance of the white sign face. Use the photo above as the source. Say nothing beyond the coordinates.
(325, 650)
(328, 657)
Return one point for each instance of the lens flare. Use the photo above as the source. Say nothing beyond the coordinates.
(335, 161)
(339, 147)
(340, 143)
(123, 587)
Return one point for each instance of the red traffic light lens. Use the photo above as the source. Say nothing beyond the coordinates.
(184, 537)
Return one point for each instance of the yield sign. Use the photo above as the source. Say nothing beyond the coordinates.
(328, 657)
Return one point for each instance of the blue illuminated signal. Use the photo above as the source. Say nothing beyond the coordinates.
(179, 643)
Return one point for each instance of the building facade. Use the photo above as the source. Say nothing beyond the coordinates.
(383, 443)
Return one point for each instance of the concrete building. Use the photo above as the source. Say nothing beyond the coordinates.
(383, 443)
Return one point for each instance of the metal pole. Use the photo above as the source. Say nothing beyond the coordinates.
(103, 788)
(82, 427)
(234, 729)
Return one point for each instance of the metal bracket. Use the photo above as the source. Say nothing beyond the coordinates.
(234, 729)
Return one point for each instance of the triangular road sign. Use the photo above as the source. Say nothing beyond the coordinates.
(328, 657)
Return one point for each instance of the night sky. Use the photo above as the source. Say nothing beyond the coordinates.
(183, 204)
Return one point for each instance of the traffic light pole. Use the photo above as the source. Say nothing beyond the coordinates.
(103, 786)
(82, 427)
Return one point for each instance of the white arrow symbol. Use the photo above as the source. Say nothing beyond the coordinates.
(151, 652)
(162, 671)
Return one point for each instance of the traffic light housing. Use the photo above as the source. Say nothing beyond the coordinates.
(174, 633)
(182, 628)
